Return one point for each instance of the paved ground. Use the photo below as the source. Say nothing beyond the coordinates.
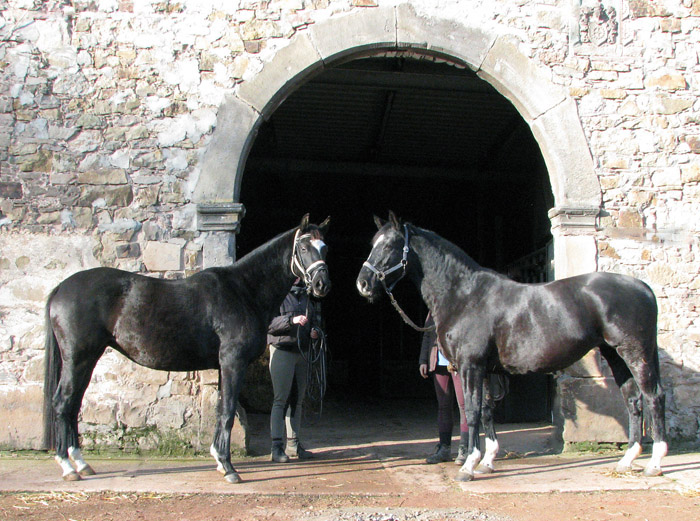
(362, 450)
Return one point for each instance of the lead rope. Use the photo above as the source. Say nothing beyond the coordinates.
(316, 363)
(404, 316)
(404, 263)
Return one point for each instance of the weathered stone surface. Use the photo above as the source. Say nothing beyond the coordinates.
(297, 60)
(159, 256)
(597, 413)
(134, 116)
(21, 410)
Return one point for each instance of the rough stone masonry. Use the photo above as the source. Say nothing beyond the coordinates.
(107, 108)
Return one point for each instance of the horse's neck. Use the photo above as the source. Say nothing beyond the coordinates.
(266, 270)
(441, 271)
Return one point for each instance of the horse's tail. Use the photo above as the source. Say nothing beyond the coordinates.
(52, 373)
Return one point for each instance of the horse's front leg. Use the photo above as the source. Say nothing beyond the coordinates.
(472, 381)
(491, 449)
(230, 381)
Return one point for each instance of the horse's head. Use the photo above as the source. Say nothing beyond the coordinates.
(386, 263)
(309, 256)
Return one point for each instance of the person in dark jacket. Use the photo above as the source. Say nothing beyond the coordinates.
(448, 384)
(292, 329)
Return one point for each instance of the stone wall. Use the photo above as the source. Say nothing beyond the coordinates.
(107, 108)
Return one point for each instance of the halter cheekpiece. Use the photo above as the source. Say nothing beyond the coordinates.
(401, 265)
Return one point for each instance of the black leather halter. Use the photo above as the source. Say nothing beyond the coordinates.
(305, 273)
(401, 265)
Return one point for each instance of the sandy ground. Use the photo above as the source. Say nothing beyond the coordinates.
(369, 466)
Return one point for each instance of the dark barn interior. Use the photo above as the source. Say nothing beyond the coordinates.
(443, 150)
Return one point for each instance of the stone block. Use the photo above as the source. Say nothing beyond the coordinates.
(574, 255)
(520, 80)
(240, 437)
(103, 176)
(235, 120)
(566, 154)
(162, 256)
(22, 413)
(355, 32)
(589, 366)
(271, 86)
(470, 44)
(108, 195)
(592, 409)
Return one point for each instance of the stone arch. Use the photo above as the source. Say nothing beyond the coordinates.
(545, 106)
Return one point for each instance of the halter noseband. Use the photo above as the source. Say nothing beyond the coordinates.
(305, 273)
(381, 275)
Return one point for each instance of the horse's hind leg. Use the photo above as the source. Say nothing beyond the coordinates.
(75, 378)
(632, 397)
(639, 381)
(647, 376)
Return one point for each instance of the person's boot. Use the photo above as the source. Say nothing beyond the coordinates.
(278, 455)
(296, 449)
(461, 455)
(442, 453)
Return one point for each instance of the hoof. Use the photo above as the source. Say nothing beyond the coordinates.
(653, 472)
(623, 468)
(484, 469)
(71, 476)
(463, 476)
(87, 471)
(233, 477)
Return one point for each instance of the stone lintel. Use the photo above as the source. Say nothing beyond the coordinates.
(220, 217)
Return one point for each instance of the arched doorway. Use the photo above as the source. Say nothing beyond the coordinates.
(543, 106)
(434, 143)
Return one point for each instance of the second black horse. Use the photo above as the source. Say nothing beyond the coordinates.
(486, 321)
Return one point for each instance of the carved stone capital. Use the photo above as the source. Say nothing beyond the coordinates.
(220, 217)
(574, 219)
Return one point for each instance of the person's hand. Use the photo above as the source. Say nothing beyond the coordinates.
(423, 368)
(300, 320)
(314, 333)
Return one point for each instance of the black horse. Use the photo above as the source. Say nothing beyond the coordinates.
(486, 321)
(215, 319)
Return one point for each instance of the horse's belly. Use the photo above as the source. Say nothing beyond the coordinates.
(542, 357)
(178, 351)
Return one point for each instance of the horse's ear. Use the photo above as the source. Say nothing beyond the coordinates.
(304, 222)
(379, 222)
(394, 220)
(324, 225)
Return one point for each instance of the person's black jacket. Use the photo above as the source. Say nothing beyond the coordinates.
(282, 333)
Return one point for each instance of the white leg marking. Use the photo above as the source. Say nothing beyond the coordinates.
(490, 455)
(471, 462)
(215, 455)
(631, 454)
(77, 457)
(659, 450)
(66, 466)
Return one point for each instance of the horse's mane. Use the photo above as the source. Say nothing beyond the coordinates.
(449, 255)
(265, 250)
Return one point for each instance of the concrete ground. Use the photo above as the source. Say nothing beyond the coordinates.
(362, 449)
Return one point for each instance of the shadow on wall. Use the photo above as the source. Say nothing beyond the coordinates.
(590, 406)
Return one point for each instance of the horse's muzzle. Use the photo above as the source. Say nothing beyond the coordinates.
(321, 283)
(365, 284)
